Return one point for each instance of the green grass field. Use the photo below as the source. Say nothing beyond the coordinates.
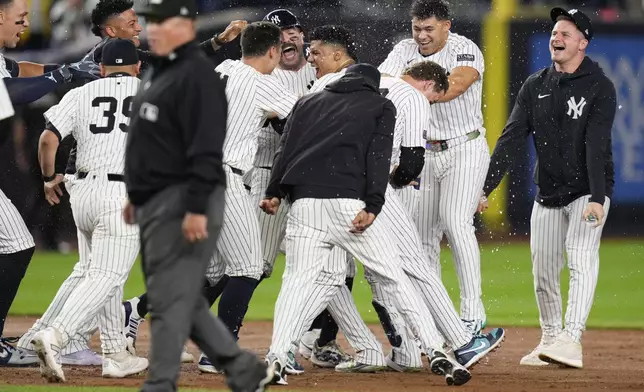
(507, 286)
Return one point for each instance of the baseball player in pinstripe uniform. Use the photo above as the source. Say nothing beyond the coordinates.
(97, 114)
(332, 50)
(297, 75)
(457, 155)
(117, 18)
(25, 82)
(322, 215)
(253, 96)
(409, 95)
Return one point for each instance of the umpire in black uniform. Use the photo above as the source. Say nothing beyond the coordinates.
(175, 183)
(569, 109)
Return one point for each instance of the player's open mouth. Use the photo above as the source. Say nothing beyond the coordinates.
(289, 52)
(558, 48)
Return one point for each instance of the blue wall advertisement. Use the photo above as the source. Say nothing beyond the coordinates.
(622, 59)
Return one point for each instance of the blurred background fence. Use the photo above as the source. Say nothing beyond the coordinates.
(512, 35)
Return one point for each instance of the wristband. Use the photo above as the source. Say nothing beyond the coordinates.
(49, 178)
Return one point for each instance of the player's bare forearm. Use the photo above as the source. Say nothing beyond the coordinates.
(47, 147)
(460, 80)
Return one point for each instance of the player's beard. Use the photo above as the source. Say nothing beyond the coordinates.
(293, 59)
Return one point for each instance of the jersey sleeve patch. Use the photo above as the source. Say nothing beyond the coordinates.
(465, 57)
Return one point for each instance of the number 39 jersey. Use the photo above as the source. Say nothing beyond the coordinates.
(97, 115)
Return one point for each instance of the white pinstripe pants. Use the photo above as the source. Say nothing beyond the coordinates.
(450, 189)
(409, 198)
(312, 278)
(95, 288)
(554, 231)
(239, 248)
(273, 227)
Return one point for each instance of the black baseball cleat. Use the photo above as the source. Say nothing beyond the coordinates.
(455, 374)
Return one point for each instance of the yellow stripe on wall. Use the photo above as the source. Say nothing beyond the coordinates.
(496, 50)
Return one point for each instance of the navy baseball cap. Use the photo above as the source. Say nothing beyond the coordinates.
(160, 10)
(118, 52)
(283, 18)
(577, 17)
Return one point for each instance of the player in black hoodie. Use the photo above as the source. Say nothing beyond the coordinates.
(569, 109)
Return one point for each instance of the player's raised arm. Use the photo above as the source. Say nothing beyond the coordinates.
(469, 68)
(273, 97)
(394, 64)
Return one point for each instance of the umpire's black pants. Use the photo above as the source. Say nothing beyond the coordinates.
(174, 271)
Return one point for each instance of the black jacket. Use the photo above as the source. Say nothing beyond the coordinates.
(177, 129)
(570, 117)
(342, 151)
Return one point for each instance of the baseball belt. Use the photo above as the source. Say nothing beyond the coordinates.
(110, 176)
(442, 145)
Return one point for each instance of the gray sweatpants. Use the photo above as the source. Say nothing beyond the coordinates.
(174, 273)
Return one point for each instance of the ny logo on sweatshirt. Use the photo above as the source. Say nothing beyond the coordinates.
(575, 108)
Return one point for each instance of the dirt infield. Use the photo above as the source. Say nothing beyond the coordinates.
(614, 361)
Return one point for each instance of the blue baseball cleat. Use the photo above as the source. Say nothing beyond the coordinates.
(479, 347)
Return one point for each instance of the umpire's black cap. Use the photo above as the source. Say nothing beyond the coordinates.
(160, 10)
(118, 52)
(577, 17)
(284, 18)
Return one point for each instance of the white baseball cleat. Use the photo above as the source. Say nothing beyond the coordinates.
(85, 357)
(47, 344)
(308, 341)
(563, 351)
(186, 357)
(123, 364)
(532, 359)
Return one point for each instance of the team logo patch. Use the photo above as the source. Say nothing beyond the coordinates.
(465, 57)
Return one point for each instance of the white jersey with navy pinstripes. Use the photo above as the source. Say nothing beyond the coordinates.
(4, 72)
(252, 97)
(14, 235)
(412, 115)
(97, 115)
(460, 115)
(298, 82)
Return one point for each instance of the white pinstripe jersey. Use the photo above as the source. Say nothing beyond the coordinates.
(6, 107)
(412, 111)
(252, 96)
(4, 72)
(268, 141)
(97, 115)
(14, 235)
(460, 115)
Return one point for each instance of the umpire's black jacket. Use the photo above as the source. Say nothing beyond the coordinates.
(177, 129)
(570, 117)
(337, 144)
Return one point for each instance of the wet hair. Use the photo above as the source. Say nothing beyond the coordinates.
(259, 37)
(104, 10)
(425, 9)
(429, 70)
(335, 35)
(4, 3)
